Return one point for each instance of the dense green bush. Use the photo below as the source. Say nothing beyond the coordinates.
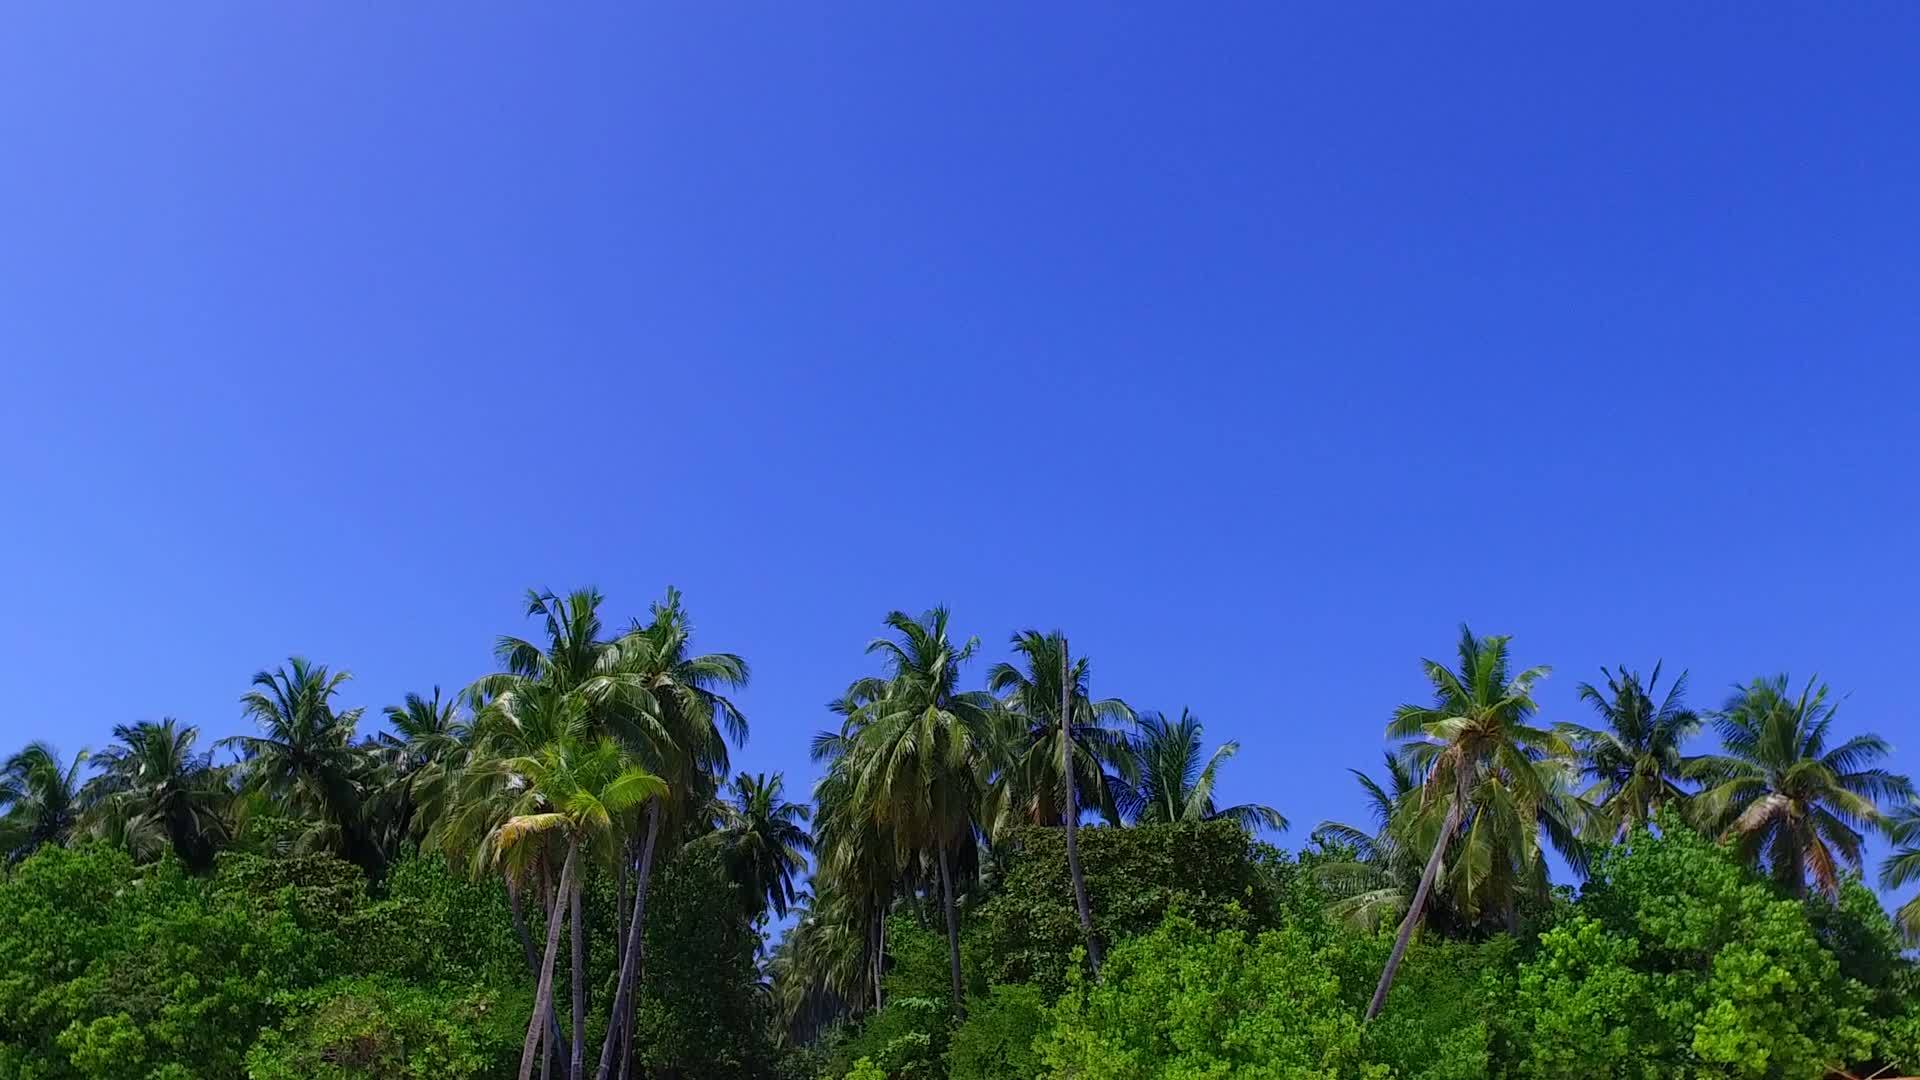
(1030, 928)
(1184, 1001)
(382, 1029)
(700, 1015)
(996, 1040)
(909, 1037)
(122, 971)
(1677, 963)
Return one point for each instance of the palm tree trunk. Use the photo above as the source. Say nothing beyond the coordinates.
(1415, 909)
(879, 954)
(629, 962)
(543, 993)
(953, 933)
(533, 960)
(1073, 813)
(578, 1060)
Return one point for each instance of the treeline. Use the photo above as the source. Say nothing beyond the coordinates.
(555, 871)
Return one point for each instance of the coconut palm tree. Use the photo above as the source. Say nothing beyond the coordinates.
(1492, 783)
(415, 760)
(1902, 868)
(1634, 758)
(857, 869)
(765, 842)
(921, 760)
(575, 790)
(1784, 794)
(675, 716)
(1376, 883)
(1031, 786)
(305, 759)
(40, 798)
(154, 781)
(480, 795)
(1176, 778)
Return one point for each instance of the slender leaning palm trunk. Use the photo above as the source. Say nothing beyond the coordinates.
(879, 953)
(629, 962)
(1073, 814)
(543, 993)
(533, 960)
(578, 1059)
(953, 932)
(1415, 910)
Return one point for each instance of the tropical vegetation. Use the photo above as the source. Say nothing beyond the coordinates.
(1001, 870)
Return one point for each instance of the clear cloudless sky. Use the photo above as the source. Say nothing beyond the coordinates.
(1256, 345)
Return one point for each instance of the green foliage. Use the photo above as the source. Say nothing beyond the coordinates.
(121, 971)
(1029, 930)
(434, 923)
(1186, 1003)
(380, 1028)
(700, 1015)
(1679, 962)
(909, 1037)
(996, 1040)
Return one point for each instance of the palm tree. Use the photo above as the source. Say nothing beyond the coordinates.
(305, 758)
(426, 747)
(153, 780)
(1176, 778)
(425, 729)
(576, 790)
(480, 796)
(1372, 886)
(1783, 795)
(765, 841)
(1634, 758)
(575, 687)
(675, 715)
(920, 761)
(1902, 868)
(1032, 785)
(1488, 771)
(856, 873)
(41, 799)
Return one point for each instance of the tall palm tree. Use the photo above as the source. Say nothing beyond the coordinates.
(479, 795)
(857, 872)
(920, 763)
(1634, 757)
(1376, 883)
(153, 779)
(416, 759)
(1902, 868)
(1032, 785)
(676, 718)
(576, 790)
(573, 686)
(765, 842)
(305, 759)
(1176, 778)
(41, 799)
(1493, 781)
(1783, 794)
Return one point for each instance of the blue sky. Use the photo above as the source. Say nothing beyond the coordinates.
(1255, 345)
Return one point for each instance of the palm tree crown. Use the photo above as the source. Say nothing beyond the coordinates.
(765, 841)
(1031, 786)
(1175, 777)
(1787, 796)
(41, 798)
(1634, 757)
(153, 782)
